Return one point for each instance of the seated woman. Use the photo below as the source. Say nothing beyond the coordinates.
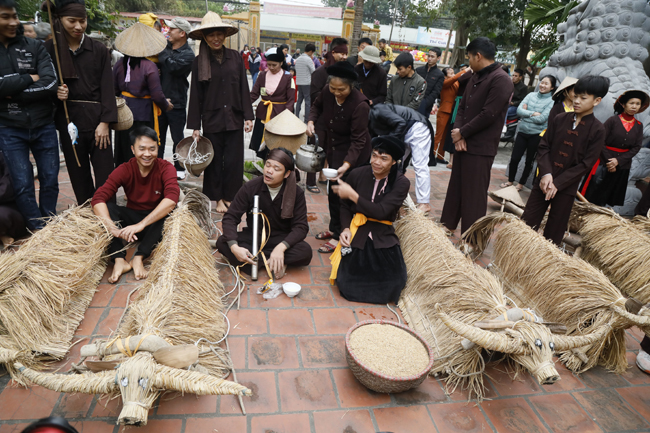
(152, 192)
(283, 202)
(370, 268)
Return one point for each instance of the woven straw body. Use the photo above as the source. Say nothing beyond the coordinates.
(124, 116)
(377, 381)
(140, 40)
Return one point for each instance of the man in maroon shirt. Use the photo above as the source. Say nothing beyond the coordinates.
(152, 192)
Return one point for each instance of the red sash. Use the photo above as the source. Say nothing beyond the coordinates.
(595, 167)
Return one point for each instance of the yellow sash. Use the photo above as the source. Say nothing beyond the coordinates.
(358, 220)
(156, 111)
(269, 109)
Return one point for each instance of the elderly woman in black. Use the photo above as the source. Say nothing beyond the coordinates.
(344, 112)
(368, 265)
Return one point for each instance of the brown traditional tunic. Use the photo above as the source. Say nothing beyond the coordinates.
(292, 231)
(283, 98)
(617, 136)
(567, 154)
(374, 86)
(91, 100)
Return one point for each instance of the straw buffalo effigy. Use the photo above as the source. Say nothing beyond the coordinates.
(169, 335)
(460, 309)
(561, 288)
(46, 286)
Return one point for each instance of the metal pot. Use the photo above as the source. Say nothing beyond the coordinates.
(311, 157)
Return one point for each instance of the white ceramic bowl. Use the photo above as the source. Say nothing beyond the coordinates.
(330, 173)
(291, 289)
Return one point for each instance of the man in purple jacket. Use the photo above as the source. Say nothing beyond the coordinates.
(476, 134)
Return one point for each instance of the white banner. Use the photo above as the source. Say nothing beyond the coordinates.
(435, 37)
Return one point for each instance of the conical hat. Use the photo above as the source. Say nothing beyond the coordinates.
(286, 123)
(212, 21)
(140, 40)
(567, 82)
(511, 194)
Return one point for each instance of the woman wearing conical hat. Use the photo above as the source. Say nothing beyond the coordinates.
(220, 108)
(137, 80)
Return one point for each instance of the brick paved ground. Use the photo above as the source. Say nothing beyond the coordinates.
(290, 352)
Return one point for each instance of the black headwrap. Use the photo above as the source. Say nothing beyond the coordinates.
(280, 155)
(65, 8)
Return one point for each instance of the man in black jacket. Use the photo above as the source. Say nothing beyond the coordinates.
(434, 78)
(415, 130)
(27, 88)
(175, 65)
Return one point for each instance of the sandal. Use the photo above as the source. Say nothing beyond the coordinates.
(519, 187)
(327, 248)
(322, 236)
(505, 184)
(313, 189)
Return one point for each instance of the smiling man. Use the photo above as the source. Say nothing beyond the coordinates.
(283, 202)
(152, 193)
(90, 98)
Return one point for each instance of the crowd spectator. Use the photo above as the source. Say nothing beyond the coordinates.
(449, 100)
(304, 69)
(28, 31)
(406, 88)
(520, 92)
(383, 46)
(372, 78)
(385, 64)
(254, 64)
(43, 31)
(363, 43)
(296, 54)
(434, 79)
(245, 53)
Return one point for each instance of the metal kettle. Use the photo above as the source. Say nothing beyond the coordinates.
(311, 157)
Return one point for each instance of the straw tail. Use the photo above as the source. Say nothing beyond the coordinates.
(479, 233)
(489, 340)
(87, 383)
(196, 383)
(199, 205)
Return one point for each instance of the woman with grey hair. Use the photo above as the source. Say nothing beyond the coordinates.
(342, 111)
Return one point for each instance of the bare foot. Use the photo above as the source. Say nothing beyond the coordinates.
(121, 267)
(6, 240)
(424, 207)
(138, 268)
(221, 207)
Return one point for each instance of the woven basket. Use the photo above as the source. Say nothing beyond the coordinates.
(124, 115)
(380, 382)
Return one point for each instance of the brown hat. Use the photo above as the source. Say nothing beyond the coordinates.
(211, 22)
(629, 94)
(285, 130)
(140, 40)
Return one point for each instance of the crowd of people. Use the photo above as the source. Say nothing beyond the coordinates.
(371, 127)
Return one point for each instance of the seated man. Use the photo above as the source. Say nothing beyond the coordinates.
(152, 193)
(283, 202)
(372, 270)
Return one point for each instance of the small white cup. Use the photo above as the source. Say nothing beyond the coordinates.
(291, 289)
(330, 173)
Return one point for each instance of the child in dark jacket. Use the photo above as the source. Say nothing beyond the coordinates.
(567, 152)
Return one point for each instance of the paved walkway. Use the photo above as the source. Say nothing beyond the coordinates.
(290, 352)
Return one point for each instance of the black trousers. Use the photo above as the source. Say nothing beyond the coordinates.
(644, 203)
(298, 255)
(466, 197)
(558, 216)
(257, 136)
(645, 344)
(224, 176)
(524, 143)
(89, 154)
(12, 222)
(334, 202)
(148, 238)
(175, 121)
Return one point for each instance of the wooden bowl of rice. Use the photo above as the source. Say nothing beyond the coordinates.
(386, 356)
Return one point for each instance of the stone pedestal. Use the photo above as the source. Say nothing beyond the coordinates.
(348, 24)
(254, 24)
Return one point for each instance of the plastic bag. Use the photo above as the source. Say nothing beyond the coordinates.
(272, 293)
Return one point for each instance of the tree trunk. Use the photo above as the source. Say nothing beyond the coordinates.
(522, 55)
(458, 54)
(358, 22)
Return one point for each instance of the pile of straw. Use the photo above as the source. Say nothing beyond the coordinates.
(561, 288)
(47, 284)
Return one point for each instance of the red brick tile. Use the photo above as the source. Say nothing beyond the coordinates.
(563, 414)
(94, 426)
(506, 386)
(89, 322)
(122, 293)
(636, 333)
(610, 411)
(306, 390)
(333, 320)
(258, 301)
(272, 352)
(458, 417)
(263, 400)
(630, 342)
(297, 274)
(27, 403)
(74, 405)
(343, 421)
(342, 302)
(156, 426)
(319, 352)
(568, 380)
(321, 274)
(73, 355)
(429, 391)
(110, 408)
(12, 428)
(638, 398)
(512, 415)
(314, 296)
(633, 374)
(404, 419)
(294, 423)
(598, 377)
(460, 394)
(237, 351)
(103, 295)
(353, 394)
(111, 322)
(290, 322)
(226, 424)
(173, 403)
(247, 322)
(376, 313)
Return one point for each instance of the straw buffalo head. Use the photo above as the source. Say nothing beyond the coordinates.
(527, 342)
(139, 379)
